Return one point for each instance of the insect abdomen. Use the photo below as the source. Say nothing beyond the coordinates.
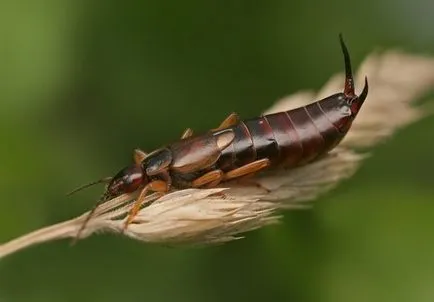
(286, 138)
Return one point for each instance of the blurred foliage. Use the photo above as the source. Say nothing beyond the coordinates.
(83, 83)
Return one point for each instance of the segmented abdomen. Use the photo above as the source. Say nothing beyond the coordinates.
(287, 138)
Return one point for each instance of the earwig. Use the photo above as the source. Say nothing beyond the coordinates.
(239, 148)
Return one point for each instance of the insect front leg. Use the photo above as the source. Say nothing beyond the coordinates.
(103, 198)
(159, 186)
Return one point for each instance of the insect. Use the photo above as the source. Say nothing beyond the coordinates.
(239, 148)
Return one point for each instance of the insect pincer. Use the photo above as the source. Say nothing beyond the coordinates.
(354, 101)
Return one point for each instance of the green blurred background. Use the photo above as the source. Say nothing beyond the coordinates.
(82, 83)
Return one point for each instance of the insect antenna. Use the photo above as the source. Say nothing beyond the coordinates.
(103, 198)
(349, 81)
(103, 180)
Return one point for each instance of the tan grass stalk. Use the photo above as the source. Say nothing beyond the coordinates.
(397, 80)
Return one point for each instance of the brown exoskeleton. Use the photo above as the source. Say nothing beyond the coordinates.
(240, 148)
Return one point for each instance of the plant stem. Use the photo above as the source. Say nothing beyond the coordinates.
(57, 231)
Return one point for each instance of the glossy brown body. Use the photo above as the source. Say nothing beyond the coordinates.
(290, 138)
(286, 138)
(240, 148)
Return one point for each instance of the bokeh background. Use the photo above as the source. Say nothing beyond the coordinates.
(83, 83)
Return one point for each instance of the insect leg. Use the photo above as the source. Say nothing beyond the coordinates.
(139, 156)
(155, 186)
(87, 219)
(250, 168)
(231, 120)
(211, 179)
(187, 133)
